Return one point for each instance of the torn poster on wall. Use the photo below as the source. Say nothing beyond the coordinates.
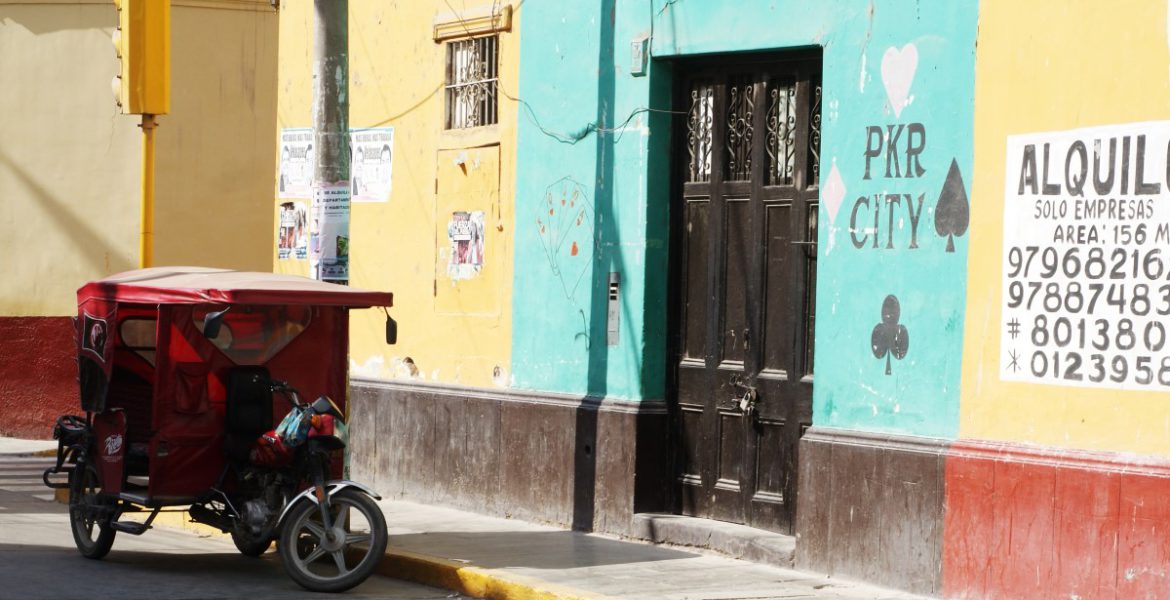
(293, 239)
(466, 234)
(296, 163)
(329, 235)
(371, 163)
(1086, 231)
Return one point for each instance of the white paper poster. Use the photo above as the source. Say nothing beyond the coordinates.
(296, 163)
(372, 163)
(1086, 238)
(329, 237)
(465, 231)
(293, 238)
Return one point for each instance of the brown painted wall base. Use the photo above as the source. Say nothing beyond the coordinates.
(870, 507)
(38, 375)
(575, 462)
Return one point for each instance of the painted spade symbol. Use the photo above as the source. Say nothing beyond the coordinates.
(953, 212)
(889, 337)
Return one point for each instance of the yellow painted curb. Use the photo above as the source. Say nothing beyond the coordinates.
(167, 518)
(51, 452)
(178, 520)
(473, 581)
(419, 568)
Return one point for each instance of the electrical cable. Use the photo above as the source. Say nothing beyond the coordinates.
(588, 128)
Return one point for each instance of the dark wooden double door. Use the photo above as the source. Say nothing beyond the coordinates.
(745, 226)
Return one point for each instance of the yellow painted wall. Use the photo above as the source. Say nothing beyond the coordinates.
(70, 163)
(215, 154)
(1048, 65)
(453, 331)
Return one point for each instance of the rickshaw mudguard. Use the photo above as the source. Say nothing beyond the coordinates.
(109, 429)
(330, 488)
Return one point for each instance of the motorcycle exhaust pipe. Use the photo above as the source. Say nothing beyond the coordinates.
(202, 514)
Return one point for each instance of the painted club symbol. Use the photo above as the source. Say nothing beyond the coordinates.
(890, 337)
(953, 212)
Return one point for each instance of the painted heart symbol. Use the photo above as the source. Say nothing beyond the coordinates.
(898, 68)
(834, 192)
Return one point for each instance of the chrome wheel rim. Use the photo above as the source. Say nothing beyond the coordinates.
(327, 554)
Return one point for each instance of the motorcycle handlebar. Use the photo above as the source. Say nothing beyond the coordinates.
(289, 392)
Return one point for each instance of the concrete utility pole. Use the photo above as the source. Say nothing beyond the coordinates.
(331, 188)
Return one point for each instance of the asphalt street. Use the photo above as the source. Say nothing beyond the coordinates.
(39, 561)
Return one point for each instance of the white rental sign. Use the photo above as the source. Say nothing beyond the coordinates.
(1086, 258)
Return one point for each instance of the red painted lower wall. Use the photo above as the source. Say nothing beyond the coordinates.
(38, 375)
(1025, 522)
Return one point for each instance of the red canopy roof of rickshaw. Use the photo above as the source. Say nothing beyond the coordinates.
(200, 285)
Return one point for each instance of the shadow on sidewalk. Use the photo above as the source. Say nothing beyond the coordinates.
(531, 549)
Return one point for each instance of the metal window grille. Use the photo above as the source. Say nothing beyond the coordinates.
(472, 76)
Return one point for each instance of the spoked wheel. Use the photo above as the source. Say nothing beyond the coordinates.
(337, 559)
(89, 513)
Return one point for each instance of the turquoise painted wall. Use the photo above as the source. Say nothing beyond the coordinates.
(581, 206)
(897, 74)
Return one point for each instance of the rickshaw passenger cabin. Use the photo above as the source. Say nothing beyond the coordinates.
(174, 404)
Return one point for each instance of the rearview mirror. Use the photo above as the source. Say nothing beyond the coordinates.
(211, 323)
(391, 330)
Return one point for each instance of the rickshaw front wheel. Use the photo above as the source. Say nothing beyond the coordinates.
(89, 516)
(341, 557)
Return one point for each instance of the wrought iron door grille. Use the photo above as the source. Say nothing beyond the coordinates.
(700, 123)
(472, 78)
(781, 124)
(814, 135)
(741, 103)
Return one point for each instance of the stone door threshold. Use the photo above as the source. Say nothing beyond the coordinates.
(736, 541)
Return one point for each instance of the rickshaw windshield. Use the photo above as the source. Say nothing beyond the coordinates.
(138, 335)
(252, 335)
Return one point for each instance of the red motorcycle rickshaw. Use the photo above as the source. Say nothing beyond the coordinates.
(182, 371)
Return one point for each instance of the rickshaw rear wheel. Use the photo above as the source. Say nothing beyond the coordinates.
(336, 564)
(88, 511)
(247, 544)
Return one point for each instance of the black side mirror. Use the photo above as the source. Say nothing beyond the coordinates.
(391, 330)
(212, 322)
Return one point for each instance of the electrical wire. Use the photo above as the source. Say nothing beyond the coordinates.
(589, 128)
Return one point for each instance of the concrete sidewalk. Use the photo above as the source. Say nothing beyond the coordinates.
(507, 559)
(19, 447)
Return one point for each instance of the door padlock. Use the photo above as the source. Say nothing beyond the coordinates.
(747, 403)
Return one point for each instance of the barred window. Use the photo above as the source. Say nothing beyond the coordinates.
(472, 73)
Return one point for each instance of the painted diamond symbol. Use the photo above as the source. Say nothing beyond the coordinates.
(834, 192)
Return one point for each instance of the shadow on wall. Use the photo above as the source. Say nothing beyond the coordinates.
(84, 235)
(41, 19)
(605, 262)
